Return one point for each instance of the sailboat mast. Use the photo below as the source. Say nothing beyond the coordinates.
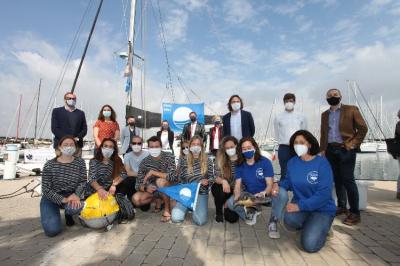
(128, 70)
(37, 108)
(19, 116)
(86, 47)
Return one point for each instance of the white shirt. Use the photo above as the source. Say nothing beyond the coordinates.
(286, 124)
(193, 129)
(236, 124)
(164, 140)
(216, 139)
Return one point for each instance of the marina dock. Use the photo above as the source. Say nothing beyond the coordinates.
(147, 241)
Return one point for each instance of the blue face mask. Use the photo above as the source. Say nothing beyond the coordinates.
(248, 154)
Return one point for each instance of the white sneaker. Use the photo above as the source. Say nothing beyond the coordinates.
(273, 231)
(251, 217)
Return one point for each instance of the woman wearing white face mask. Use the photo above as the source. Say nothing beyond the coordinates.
(312, 208)
(106, 170)
(222, 189)
(63, 180)
(237, 122)
(106, 125)
(197, 167)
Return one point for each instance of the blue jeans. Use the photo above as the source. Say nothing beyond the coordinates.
(50, 217)
(284, 155)
(314, 228)
(279, 203)
(236, 208)
(200, 215)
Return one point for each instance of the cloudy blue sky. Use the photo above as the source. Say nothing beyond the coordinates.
(259, 49)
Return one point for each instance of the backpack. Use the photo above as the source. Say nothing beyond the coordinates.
(126, 209)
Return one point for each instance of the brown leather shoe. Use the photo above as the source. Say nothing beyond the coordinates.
(340, 211)
(352, 219)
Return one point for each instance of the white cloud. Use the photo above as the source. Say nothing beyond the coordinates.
(289, 9)
(304, 23)
(192, 4)
(243, 51)
(374, 7)
(290, 57)
(176, 26)
(238, 11)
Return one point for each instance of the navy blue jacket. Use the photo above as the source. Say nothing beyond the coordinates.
(65, 123)
(248, 128)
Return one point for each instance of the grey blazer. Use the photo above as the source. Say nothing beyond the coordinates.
(125, 138)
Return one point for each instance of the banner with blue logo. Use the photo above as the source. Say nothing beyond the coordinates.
(186, 194)
(177, 115)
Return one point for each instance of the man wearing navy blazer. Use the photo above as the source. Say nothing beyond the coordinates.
(237, 122)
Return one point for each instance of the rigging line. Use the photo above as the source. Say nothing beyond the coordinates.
(64, 68)
(164, 44)
(369, 108)
(86, 46)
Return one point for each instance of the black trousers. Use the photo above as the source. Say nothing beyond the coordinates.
(127, 187)
(343, 162)
(220, 197)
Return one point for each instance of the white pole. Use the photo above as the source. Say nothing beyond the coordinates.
(132, 22)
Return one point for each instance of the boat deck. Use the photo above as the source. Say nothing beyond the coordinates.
(376, 241)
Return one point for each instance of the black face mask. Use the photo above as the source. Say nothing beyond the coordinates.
(333, 100)
(192, 118)
(132, 124)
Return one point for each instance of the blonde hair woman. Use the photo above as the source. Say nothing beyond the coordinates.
(196, 167)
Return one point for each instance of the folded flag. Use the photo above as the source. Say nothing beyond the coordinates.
(186, 194)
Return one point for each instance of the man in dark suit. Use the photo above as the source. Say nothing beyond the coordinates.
(193, 128)
(237, 122)
(342, 131)
(68, 120)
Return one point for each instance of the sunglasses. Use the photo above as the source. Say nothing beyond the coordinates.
(136, 143)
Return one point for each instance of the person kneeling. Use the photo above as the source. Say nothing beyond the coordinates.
(156, 170)
(312, 208)
(255, 173)
(196, 167)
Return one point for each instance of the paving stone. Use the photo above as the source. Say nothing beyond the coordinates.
(252, 255)
(135, 240)
(134, 259)
(331, 257)
(372, 259)
(153, 236)
(179, 249)
(249, 242)
(173, 261)
(233, 260)
(165, 242)
(215, 253)
(233, 247)
(156, 256)
(144, 247)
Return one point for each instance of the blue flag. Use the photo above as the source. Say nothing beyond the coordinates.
(186, 194)
(177, 115)
(128, 84)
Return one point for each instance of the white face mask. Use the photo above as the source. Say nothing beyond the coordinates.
(71, 102)
(289, 106)
(185, 151)
(68, 150)
(155, 152)
(235, 106)
(300, 149)
(195, 149)
(231, 152)
(136, 148)
(107, 152)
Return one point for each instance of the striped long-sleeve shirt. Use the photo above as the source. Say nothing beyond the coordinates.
(102, 174)
(60, 180)
(196, 176)
(165, 164)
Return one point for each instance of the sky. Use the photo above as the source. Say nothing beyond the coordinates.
(258, 49)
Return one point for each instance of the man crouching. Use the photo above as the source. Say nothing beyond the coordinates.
(156, 170)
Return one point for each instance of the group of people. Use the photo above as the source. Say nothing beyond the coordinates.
(231, 168)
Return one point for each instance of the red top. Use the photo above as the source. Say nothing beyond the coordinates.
(106, 129)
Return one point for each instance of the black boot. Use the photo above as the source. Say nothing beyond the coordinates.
(69, 221)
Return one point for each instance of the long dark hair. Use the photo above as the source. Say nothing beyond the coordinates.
(168, 129)
(113, 116)
(257, 153)
(223, 160)
(118, 165)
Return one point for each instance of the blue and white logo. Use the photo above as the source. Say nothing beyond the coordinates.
(177, 115)
(260, 173)
(312, 177)
(185, 193)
